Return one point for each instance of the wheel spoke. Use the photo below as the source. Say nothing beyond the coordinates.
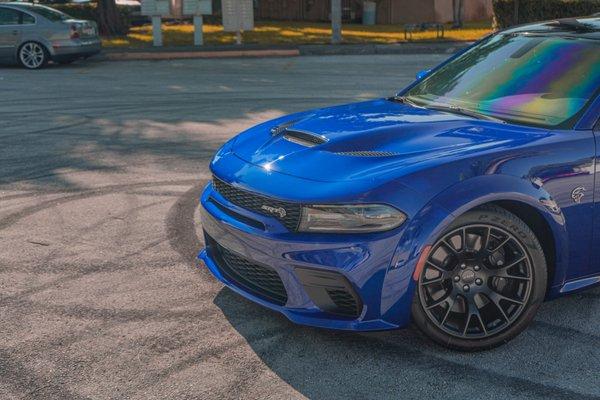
(486, 242)
(447, 313)
(463, 235)
(478, 314)
(512, 264)
(507, 276)
(450, 246)
(496, 297)
(502, 272)
(501, 245)
(441, 270)
(438, 302)
(473, 311)
(496, 303)
(439, 279)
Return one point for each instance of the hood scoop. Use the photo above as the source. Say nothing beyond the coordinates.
(303, 138)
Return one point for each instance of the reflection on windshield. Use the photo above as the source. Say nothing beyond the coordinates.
(542, 81)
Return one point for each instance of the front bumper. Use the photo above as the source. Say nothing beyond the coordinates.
(371, 266)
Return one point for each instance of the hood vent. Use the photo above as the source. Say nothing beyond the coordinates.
(367, 153)
(303, 138)
(276, 130)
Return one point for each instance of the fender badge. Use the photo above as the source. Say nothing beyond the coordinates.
(577, 194)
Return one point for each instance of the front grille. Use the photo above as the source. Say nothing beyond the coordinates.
(248, 221)
(258, 279)
(287, 213)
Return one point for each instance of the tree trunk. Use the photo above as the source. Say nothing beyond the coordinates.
(516, 13)
(336, 21)
(110, 22)
(457, 10)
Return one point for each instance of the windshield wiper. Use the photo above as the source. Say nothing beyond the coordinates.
(464, 111)
(405, 100)
(573, 24)
(448, 108)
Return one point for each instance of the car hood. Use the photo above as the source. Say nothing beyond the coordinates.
(370, 139)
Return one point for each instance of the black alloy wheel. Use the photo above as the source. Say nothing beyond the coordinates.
(482, 282)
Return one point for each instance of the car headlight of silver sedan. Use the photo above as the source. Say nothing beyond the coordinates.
(360, 218)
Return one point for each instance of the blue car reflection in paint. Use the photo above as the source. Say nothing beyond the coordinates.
(395, 173)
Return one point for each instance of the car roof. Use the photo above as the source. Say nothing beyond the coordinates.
(23, 5)
(19, 4)
(14, 3)
(588, 27)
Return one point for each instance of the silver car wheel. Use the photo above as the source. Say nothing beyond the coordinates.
(32, 55)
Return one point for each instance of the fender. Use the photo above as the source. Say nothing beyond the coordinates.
(480, 190)
(435, 217)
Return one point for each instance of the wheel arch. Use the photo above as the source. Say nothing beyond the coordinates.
(534, 219)
(43, 43)
(530, 203)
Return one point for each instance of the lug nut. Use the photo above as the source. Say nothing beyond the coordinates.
(477, 268)
(500, 263)
(463, 266)
(478, 281)
(456, 278)
(466, 288)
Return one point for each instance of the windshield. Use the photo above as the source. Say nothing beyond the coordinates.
(48, 13)
(542, 81)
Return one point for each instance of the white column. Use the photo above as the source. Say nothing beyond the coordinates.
(157, 31)
(336, 21)
(198, 38)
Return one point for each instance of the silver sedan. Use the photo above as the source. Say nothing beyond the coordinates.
(32, 35)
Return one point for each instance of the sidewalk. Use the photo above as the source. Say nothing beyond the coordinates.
(243, 51)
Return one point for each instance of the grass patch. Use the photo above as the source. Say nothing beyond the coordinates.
(293, 33)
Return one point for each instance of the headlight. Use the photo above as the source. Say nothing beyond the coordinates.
(350, 219)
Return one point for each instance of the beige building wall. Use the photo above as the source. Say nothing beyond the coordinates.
(474, 10)
(405, 11)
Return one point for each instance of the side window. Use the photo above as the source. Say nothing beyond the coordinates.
(9, 17)
(27, 19)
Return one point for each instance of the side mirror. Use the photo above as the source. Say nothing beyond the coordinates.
(422, 74)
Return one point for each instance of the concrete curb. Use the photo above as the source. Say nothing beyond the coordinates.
(174, 55)
(396, 48)
(188, 52)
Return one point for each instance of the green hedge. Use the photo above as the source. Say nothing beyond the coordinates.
(540, 10)
(77, 11)
(88, 11)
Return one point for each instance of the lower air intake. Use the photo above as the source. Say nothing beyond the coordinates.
(258, 279)
(331, 292)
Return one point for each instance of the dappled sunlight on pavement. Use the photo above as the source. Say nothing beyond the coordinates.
(100, 292)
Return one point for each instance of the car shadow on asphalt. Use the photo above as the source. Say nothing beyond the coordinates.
(552, 359)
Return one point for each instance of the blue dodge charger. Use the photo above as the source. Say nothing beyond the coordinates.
(461, 203)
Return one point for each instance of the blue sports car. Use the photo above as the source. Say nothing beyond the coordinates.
(461, 203)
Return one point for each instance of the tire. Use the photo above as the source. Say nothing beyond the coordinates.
(483, 281)
(33, 55)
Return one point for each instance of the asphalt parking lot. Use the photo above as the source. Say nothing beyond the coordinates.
(101, 296)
